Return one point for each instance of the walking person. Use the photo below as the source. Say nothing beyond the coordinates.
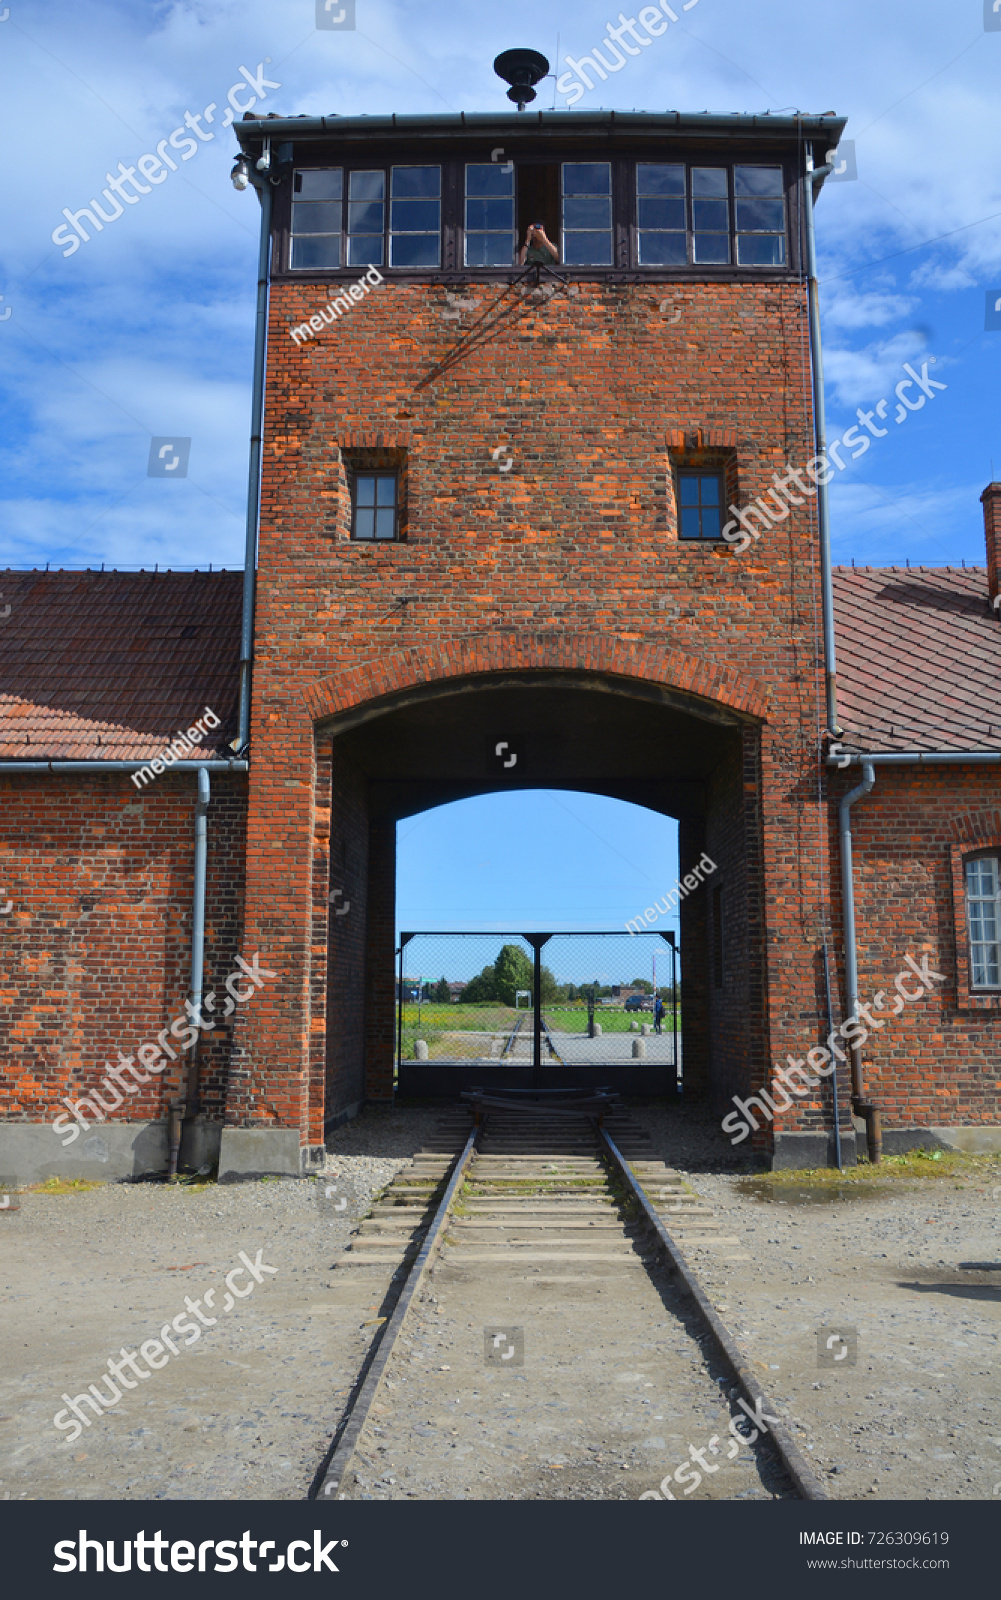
(658, 1014)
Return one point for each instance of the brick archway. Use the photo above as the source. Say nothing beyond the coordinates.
(607, 655)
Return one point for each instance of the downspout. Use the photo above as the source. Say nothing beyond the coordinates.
(254, 474)
(813, 174)
(186, 1108)
(862, 1107)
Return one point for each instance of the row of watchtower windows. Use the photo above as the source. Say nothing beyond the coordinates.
(681, 215)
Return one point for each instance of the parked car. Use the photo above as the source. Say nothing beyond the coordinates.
(639, 1002)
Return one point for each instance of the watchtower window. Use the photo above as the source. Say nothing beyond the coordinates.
(375, 506)
(489, 215)
(316, 217)
(710, 214)
(415, 217)
(700, 498)
(366, 218)
(759, 216)
(661, 232)
(587, 213)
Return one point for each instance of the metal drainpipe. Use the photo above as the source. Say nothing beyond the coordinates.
(254, 474)
(862, 1107)
(183, 1110)
(820, 425)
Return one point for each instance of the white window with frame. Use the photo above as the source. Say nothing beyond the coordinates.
(983, 921)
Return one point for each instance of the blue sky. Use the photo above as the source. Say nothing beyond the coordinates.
(147, 329)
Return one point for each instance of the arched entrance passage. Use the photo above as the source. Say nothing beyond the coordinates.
(632, 734)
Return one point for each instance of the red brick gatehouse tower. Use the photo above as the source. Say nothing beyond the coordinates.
(501, 504)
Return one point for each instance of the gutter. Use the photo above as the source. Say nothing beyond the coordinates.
(915, 757)
(264, 190)
(182, 1110)
(119, 766)
(579, 124)
(813, 176)
(860, 1105)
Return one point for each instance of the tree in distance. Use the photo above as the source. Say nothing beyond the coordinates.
(511, 971)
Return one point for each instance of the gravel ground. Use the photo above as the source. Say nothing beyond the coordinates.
(918, 1414)
(249, 1409)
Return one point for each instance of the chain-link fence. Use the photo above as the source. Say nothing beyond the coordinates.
(538, 1000)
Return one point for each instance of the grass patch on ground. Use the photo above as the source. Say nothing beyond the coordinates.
(64, 1186)
(919, 1163)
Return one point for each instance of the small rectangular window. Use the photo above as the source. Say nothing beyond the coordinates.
(415, 217)
(661, 226)
(489, 217)
(366, 218)
(316, 217)
(710, 214)
(983, 916)
(700, 497)
(718, 936)
(759, 216)
(375, 506)
(587, 213)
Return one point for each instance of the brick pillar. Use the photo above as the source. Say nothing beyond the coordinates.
(991, 502)
(380, 944)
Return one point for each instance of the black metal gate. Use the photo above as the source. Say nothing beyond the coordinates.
(535, 1010)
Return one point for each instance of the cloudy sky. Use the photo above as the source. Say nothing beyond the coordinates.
(146, 331)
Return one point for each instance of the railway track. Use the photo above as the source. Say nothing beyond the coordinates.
(545, 1258)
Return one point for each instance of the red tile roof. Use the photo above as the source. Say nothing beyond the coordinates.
(109, 665)
(919, 659)
(106, 666)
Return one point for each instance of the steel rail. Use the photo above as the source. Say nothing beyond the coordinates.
(804, 1478)
(333, 1469)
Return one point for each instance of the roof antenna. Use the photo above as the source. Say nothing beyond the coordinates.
(522, 69)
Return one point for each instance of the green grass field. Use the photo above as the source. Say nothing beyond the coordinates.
(429, 1018)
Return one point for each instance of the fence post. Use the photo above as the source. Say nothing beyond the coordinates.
(537, 940)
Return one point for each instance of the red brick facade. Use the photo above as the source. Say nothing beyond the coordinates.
(556, 597)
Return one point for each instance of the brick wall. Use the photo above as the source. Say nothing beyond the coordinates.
(96, 950)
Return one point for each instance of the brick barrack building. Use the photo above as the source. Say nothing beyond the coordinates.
(494, 501)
